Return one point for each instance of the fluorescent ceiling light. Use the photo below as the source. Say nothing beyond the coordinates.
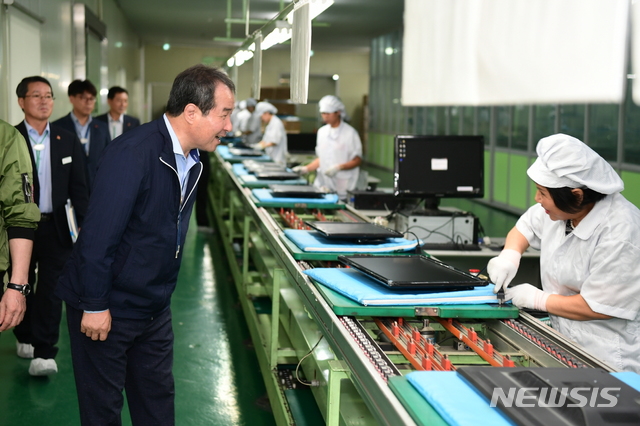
(316, 7)
(280, 33)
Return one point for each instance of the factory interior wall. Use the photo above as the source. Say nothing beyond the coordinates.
(511, 189)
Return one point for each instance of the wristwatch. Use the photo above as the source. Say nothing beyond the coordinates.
(23, 289)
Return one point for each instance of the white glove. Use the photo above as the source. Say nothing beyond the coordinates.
(527, 296)
(331, 171)
(301, 170)
(260, 145)
(503, 268)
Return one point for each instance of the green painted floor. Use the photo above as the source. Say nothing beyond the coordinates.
(216, 371)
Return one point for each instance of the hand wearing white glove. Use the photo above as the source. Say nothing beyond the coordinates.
(260, 145)
(302, 170)
(503, 268)
(331, 171)
(527, 296)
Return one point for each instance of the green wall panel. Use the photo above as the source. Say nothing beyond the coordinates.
(487, 174)
(632, 187)
(518, 181)
(389, 154)
(510, 173)
(501, 177)
(380, 150)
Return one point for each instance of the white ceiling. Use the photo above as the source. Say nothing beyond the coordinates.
(352, 23)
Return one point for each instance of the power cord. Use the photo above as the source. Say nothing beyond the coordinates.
(418, 245)
(313, 382)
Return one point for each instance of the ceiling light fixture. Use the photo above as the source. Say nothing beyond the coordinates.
(281, 28)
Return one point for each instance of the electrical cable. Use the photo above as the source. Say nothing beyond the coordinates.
(302, 359)
(418, 245)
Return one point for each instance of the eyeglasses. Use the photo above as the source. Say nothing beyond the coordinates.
(87, 98)
(41, 97)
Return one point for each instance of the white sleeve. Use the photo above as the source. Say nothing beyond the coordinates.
(531, 224)
(274, 132)
(354, 144)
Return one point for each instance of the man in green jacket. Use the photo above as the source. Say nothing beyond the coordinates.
(19, 217)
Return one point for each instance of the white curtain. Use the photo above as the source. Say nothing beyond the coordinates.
(635, 50)
(300, 53)
(492, 52)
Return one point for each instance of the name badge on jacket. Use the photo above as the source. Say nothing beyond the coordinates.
(66, 160)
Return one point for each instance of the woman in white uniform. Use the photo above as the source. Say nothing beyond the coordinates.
(252, 129)
(274, 140)
(338, 150)
(588, 235)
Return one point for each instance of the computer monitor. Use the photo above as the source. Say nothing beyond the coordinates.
(434, 167)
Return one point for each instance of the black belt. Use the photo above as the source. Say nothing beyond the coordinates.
(46, 217)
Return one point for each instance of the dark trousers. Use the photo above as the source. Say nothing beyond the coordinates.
(41, 324)
(137, 357)
(202, 196)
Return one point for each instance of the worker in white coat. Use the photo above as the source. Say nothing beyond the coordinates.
(338, 150)
(253, 128)
(274, 140)
(242, 118)
(588, 235)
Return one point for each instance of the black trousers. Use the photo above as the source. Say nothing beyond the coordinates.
(41, 323)
(137, 357)
(202, 196)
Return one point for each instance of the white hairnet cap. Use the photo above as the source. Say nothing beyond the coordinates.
(250, 102)
(564, 161)
(242, 105)
(330, 104)
(263, 107)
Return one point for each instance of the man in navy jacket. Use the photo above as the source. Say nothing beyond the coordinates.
(116, 119)
(94, 134)
(123, 270)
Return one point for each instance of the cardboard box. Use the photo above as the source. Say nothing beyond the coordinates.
(291, 126)
(275, 93)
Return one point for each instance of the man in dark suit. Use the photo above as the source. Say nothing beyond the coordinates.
(118, 121)
(58, 162)
(93, 134)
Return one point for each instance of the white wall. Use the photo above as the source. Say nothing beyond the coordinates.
(56, 53)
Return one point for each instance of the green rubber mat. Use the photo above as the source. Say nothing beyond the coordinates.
(290, 205)
(342, 305)
(304, 255)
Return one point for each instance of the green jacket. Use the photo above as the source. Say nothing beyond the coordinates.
(19, 215)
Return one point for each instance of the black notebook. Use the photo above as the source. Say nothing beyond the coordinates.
(353, 230)
(413, 272)
(276, 175)
(296, 191)
(255, 167)
(245, 152)
(591, 396)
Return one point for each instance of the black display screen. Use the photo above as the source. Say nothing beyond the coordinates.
(439, 166)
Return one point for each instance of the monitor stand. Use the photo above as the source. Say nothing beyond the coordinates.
(430, 208)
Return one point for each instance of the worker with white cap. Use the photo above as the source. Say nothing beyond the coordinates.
(588, 235)
(241, 118)
(253, 128)
(274, 140)
(338, 150)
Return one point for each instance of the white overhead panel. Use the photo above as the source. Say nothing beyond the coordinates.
(505, 52)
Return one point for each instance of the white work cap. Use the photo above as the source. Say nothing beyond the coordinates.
(330, 104)
(242, 105)
(263, 107)
(250, 102)
(564, 161)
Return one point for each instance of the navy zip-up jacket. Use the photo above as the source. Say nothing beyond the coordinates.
(129, 250)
